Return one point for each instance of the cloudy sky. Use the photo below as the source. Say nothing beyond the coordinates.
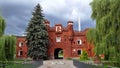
(17, 13)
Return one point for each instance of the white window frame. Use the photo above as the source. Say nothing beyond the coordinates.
(58, 39)
(58, 27)
(80, 41)
(19, 53)
(20, 44)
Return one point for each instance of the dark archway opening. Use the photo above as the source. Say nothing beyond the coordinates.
(58, 53)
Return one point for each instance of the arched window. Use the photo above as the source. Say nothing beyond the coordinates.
(79, 42)
(58, 28)
(20, 44)
(20, 53)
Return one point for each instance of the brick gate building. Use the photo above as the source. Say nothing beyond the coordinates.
(71, 42)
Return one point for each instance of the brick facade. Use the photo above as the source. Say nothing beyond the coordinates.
(62, 38)
(21, 48)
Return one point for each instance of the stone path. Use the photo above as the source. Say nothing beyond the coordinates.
(57, 64)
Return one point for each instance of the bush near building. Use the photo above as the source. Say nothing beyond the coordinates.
(84, 56)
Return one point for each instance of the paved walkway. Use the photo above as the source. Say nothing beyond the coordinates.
(66, 64)
(57, 64)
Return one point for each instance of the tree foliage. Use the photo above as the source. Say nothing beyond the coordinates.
(84, 56)
(91, 35)
(106, 35)
(7, 48)
(37, 36)
(7, 44)
(10, 43)
(2, 49)
(2, 26)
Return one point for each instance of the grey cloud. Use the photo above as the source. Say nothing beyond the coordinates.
(17, 13)
(17, 17)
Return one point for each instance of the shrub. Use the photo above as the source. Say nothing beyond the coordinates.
(69, 58)
(84, 56)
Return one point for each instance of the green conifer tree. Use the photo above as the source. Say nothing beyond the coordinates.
(37, 36)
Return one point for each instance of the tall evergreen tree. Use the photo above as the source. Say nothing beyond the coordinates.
(37, 36)
(107, 31)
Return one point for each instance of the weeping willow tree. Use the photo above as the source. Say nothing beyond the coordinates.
(7, 44)
(106, 35)
(2, 47)
(10, 47)
(2, 26)
(91, 35)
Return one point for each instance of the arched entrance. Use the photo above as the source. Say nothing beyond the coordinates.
(58, 53)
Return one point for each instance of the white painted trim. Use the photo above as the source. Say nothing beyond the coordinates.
(20, 44)
(58, 39)
(80, 41)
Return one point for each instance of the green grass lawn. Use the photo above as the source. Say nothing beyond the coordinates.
(106, 64)
(20, 63)
(20, 66)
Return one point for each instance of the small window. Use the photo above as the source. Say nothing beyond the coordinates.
(79, 42)
(79, 52)
(20, 44)
(58, 39)
(20, 53)
(58, 28)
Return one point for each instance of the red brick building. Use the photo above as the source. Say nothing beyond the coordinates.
(64, 39)
(21, 48)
